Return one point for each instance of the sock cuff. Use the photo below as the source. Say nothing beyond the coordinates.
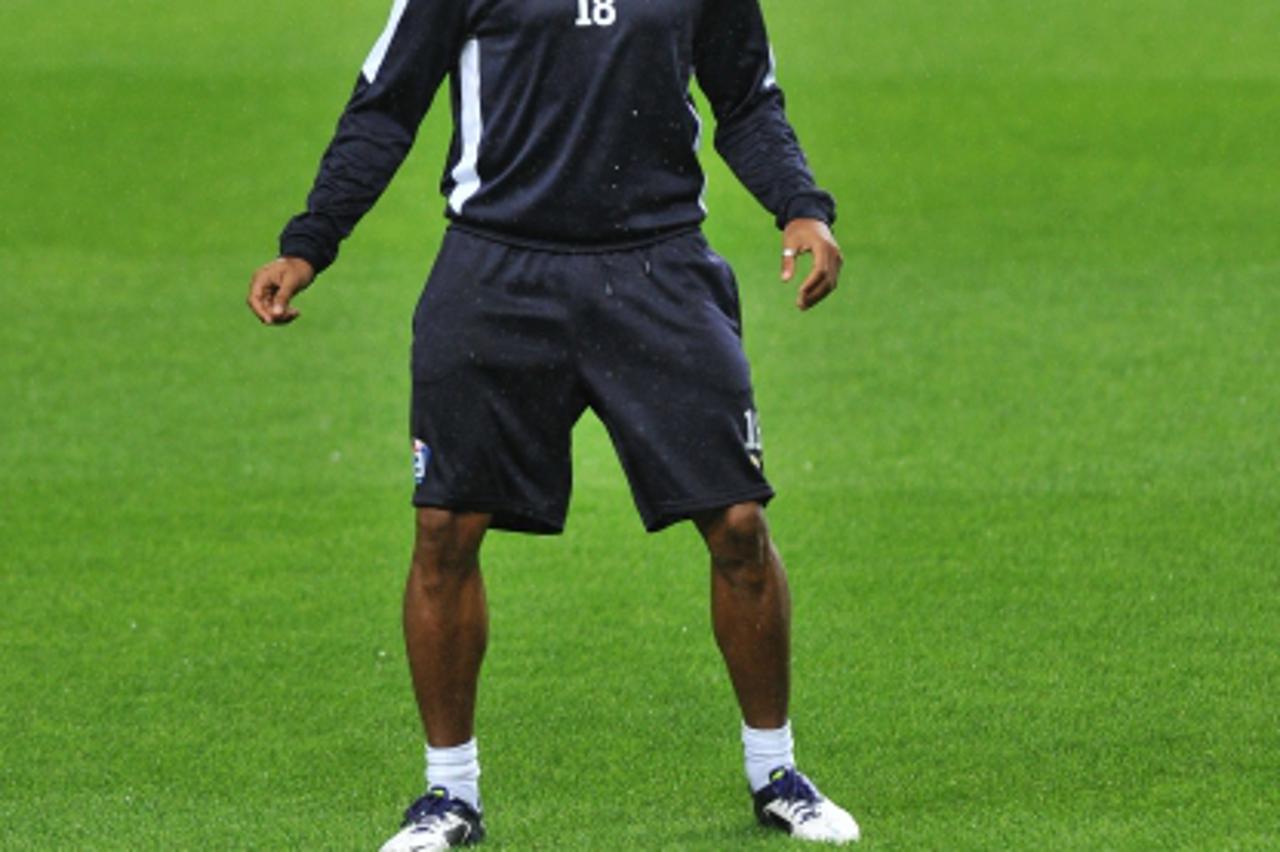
(768, 739)
(453, 756)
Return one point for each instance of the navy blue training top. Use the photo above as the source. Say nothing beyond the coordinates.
(574, 127)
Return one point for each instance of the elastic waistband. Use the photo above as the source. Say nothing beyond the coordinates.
(572, 248)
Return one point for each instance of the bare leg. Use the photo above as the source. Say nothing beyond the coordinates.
(446, 622)
(750, 611)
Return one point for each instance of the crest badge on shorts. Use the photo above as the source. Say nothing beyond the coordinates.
(421, 458)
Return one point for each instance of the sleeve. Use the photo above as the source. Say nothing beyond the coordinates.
(395, 88)
(734, 65)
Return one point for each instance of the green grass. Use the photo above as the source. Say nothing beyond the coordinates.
(1029, 456)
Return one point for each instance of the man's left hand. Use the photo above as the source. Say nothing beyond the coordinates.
(811, 236)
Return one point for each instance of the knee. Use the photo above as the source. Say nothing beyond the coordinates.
(447, 544)
(738, 540)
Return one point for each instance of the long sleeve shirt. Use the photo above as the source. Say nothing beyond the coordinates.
(574, 127)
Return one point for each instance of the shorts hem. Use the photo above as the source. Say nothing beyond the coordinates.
(672, 513)
(506, 517)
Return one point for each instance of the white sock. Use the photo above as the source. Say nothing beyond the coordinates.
(764, 750)
(457, 769)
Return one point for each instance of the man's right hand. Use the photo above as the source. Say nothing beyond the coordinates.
(274, 286)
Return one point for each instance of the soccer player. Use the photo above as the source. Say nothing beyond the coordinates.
(574, 275)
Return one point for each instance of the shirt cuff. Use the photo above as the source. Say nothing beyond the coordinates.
(313, 251)
(814, 204)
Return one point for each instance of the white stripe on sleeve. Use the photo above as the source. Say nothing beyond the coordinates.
(771, 78)
(697, 146)
(373, 63)
(465, 176)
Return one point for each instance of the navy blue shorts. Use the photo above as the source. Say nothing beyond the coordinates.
(512, 344)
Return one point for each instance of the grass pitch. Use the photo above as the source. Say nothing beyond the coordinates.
(1028, 456)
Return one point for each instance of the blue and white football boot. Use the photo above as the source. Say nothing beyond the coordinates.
(437, 821)
(791, 803)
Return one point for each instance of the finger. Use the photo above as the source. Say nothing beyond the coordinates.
(788, 263)
(816, 287)
(288, 286)
(791, 251)
(261, 291)
(814, 295)
(821, 281)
